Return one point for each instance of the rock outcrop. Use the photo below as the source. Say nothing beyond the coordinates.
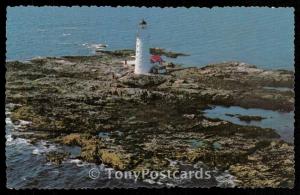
(152, 118)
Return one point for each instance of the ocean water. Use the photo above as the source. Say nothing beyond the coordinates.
(261, 36)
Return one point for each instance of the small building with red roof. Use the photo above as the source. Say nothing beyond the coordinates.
(156, 59)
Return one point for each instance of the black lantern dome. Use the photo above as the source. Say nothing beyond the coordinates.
(143, 23)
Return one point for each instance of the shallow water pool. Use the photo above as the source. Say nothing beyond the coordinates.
(282, 122)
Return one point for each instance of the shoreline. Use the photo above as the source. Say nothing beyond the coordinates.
(168, 59)
(71, 99)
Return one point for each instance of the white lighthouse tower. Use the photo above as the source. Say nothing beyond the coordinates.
(142, 52)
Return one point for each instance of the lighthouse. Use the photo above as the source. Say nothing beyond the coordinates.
(142, 52)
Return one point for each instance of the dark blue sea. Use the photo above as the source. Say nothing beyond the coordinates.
(260, 36)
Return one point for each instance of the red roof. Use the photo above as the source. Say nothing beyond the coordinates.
(156, 58)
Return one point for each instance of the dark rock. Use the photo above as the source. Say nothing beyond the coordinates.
(246, 118)
(251, 118)
(170, 54)
(56, 157)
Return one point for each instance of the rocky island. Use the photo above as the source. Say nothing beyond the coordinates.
(133, 122)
